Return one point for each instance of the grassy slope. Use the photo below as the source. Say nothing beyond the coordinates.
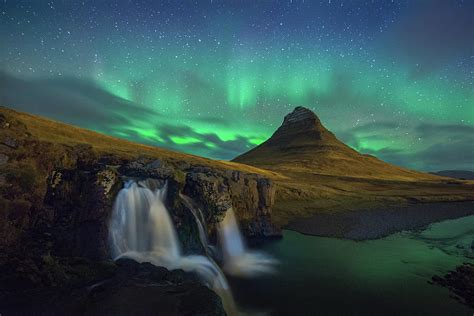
(308, 193)
(60, 133)
(300, 191)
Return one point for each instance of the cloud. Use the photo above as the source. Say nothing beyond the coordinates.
(83, 103)
(438, 130)
(205, 144)
(445, 155)
(376, 126)
(213, 120)
(443, 146)
(440, 156)
(74, 101)
(452, 146)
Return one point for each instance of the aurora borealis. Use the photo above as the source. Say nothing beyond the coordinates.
(214, 78)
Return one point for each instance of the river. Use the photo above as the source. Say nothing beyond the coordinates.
(320, 275)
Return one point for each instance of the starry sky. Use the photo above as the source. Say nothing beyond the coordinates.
(214, 78)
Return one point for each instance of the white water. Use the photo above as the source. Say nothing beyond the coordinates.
(141, 229)
(201, 224)
(238, 260)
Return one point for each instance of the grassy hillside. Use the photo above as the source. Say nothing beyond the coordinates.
(303, 187)
(59, 133)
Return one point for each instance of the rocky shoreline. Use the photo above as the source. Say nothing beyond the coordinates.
(460, 282)
(377, 223)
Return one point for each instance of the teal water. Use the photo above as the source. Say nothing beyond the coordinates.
(320, 276)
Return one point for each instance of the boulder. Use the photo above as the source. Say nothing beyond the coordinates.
(130, 288)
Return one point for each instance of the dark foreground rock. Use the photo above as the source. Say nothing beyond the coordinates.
(377, 223)
(460, 282)
(131, 289)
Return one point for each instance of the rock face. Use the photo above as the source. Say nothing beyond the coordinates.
(56, 201)
(130, 289)
(251, 195)
(299, 116)
(301, 119)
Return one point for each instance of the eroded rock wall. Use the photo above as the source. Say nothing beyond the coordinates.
(56, 200)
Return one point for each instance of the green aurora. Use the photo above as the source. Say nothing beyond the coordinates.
(217, 79)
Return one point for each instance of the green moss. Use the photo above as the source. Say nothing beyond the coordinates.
(180, 176)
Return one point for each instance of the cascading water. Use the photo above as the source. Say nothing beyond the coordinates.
(141, 229)
(141, 224)
(201, 224)
(237, 259)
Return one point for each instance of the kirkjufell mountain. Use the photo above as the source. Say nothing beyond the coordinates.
(303, 144)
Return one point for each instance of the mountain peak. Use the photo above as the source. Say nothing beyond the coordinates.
(303, 146)
(301, 128)
(299, 115)
(301, 120)
(301, 136)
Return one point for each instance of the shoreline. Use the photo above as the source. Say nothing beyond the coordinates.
(381, 222)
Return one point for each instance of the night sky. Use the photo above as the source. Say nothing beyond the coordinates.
(215, 78)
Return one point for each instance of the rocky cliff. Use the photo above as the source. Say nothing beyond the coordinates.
(57, 190)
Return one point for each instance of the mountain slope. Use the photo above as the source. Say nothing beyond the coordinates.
(64, 134)
(302, 144)
(321, 175)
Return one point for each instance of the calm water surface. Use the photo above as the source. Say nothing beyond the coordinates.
(319, 275)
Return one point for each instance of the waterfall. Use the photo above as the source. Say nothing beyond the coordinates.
(201, 224)
(237, 259)
(141, 229)
(141, 224)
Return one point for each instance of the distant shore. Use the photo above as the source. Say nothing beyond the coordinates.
(381, 222)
